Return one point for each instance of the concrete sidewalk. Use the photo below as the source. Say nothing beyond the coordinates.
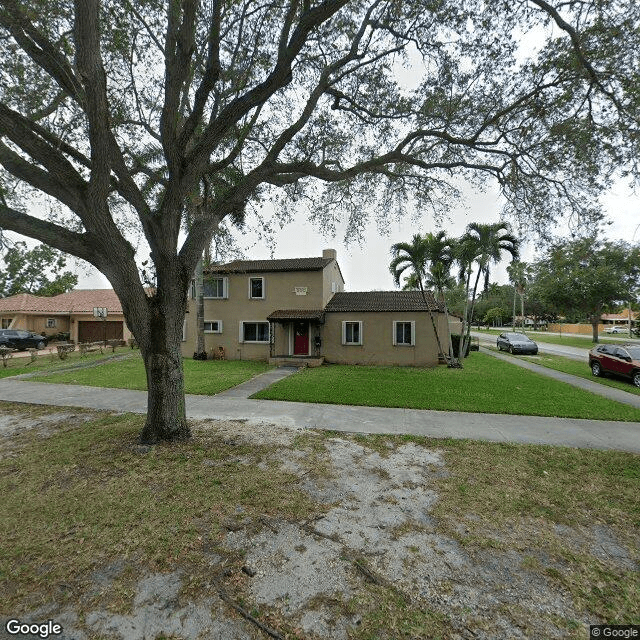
(234, 405)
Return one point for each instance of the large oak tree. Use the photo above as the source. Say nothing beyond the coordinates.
(149, 110)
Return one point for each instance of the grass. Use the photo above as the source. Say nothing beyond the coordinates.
(485, 385)
(205, 377)
(49, 361)
(88, 497)
(563, 493)
(579, 369)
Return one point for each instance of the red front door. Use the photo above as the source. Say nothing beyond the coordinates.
(300, 338)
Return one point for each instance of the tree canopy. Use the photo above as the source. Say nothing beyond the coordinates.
(38, 271)
(124, 115)
(585, 276)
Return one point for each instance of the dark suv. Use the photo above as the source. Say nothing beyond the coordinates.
(623, 360)
(21, 340)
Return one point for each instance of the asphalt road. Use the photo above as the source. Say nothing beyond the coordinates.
(575, 353)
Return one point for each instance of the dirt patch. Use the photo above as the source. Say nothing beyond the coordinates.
(373, 561)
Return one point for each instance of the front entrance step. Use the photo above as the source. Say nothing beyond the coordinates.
(296, 361)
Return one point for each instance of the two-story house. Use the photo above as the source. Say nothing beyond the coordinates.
(297, 309)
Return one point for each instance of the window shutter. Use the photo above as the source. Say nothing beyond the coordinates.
(219, 326)
(360, 337)
(225, 287)
(240, 335)
(344, 332)
(395, 333)
(413, 332)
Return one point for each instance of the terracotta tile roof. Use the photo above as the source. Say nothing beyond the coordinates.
(261, 266)
(620, 316)
(381, 301)
(297, 314)
(78, 301)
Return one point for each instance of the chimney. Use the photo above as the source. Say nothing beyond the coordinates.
(330, 254)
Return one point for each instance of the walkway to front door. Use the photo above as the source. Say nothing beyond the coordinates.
(300, 338)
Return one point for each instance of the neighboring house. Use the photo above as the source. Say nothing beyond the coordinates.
(609, 319)
(297, 308)
(529, 323)
(70, 312)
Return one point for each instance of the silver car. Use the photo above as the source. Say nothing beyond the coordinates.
(516, 343)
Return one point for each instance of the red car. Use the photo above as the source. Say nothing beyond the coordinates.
(623, 360)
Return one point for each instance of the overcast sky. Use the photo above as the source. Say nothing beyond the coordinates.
(366, 266)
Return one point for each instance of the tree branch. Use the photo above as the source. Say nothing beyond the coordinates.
(40, 49)
(51, 234)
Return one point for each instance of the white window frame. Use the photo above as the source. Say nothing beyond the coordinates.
(241, 332)
(184, 330)
(395, 333)
(344, 333)
(225, 288)
(51, 323)
(218, 330)
(251, 278)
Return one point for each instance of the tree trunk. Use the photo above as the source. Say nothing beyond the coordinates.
(158, 331)
(465, 340)
(433, 322)
(166, 414)
(201, 352)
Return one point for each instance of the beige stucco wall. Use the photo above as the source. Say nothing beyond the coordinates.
(279, 291)
(37, 323)
(331, 274)
(377, 339)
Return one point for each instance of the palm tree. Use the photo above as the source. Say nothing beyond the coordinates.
(439, 254)
(482, 245)
(414, 256)
(518, 273)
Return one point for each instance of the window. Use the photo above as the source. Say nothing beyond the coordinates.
(213, 326)
(214, 288)
(184, 330)
(6, 323)
(254, 332)
(256, 288)
(352, 332)
(51, 323)
(404, 333)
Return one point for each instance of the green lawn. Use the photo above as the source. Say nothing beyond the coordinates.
(485, 385)
(201, 377)
(48, 360)
(580, 369)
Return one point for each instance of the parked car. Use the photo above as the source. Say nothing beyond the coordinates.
(617, 329)
(516, 343)
(623, 360)
(21, 340)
